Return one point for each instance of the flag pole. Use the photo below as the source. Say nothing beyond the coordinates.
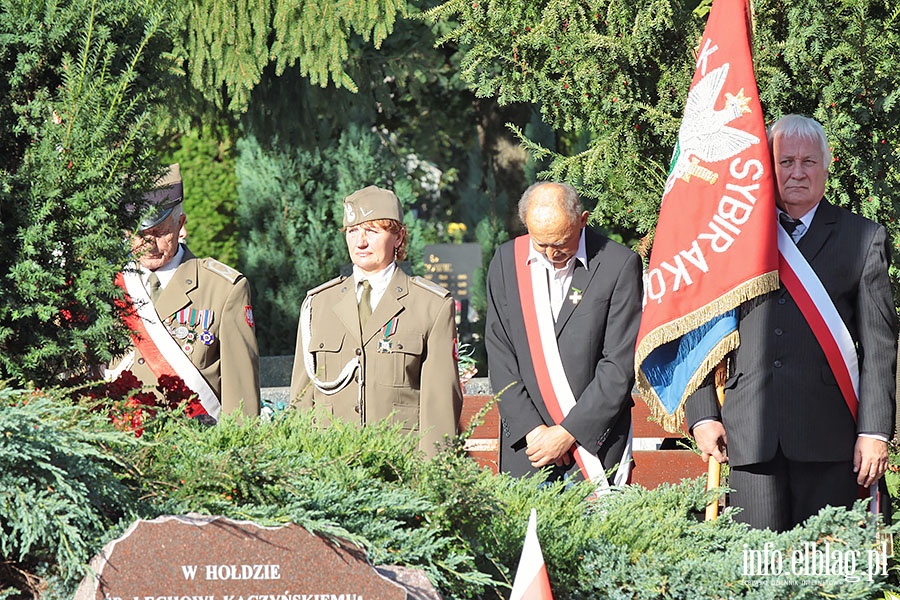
(714, 471)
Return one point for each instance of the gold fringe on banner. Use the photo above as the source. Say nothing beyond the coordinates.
(672, 422)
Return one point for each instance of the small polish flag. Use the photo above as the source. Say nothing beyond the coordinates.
(531, 582)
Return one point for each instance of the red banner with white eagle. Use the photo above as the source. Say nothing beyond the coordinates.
(715, 241)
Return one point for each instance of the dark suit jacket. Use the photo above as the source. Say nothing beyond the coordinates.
(596, 340)
(781, 389)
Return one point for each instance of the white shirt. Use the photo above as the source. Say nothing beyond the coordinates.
(379, 282)
(559, 279)
(166, 272)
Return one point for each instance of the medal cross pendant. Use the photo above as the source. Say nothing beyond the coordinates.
(575, 296)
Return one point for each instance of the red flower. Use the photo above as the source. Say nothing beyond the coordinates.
(124, 384)
(131, 405)
(175, 390)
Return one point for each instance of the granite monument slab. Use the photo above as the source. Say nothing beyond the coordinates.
(196, 557)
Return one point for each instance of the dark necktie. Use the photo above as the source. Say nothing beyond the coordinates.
(154, 287)
(789, 223)
(365, 303)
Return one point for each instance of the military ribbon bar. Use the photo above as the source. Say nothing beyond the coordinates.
(390, 328)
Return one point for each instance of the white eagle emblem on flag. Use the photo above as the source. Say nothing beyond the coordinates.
(705, 136)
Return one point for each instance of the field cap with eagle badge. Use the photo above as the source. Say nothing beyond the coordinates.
(369, 204)
(168, 193)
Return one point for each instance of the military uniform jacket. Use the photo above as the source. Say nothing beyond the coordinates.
(413, 379)
(780, 390)
(230, 362)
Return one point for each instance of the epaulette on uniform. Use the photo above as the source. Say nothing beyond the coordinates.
(326, 285)
(430, 286)
(222, 269)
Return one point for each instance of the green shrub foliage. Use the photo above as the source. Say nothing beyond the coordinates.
(69, 482)
(206, 156)
(61, 486)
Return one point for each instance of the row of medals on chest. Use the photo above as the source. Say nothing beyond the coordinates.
(185, 324)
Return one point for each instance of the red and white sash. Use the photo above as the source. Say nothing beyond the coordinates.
(553, 385)
(161, 352)
(831, 332)
(822, 315)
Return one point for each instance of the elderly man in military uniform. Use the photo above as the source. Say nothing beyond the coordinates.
(189, 317)
(379, 344)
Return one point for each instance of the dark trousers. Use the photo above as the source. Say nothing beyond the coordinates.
(782, 493)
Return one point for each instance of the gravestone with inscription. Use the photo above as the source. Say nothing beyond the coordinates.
(453, 266)
(215, 558)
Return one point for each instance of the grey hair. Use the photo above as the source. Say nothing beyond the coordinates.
(571, 203)
(798, 126)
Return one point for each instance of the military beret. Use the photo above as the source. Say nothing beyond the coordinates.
(369, 204)
(161, 200)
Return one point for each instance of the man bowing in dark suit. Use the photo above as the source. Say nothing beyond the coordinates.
(809, 401)
(564, 306)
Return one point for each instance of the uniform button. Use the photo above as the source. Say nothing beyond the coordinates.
(322, 345)
(778, 331)
(399, 346)
(781, 301)
(777, 364)
(188, 281)
(141, 361)
(359, 351)
(356, 408)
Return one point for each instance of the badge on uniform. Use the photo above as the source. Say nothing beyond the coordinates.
(385, 344)
(206, 318)
(575, 296)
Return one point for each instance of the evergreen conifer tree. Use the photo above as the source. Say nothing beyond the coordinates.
(228, 46)
(617, 70)
(79, 81)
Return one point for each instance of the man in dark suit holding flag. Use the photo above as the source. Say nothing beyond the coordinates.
(809, 400)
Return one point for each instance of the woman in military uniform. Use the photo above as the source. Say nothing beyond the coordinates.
(379, 344)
